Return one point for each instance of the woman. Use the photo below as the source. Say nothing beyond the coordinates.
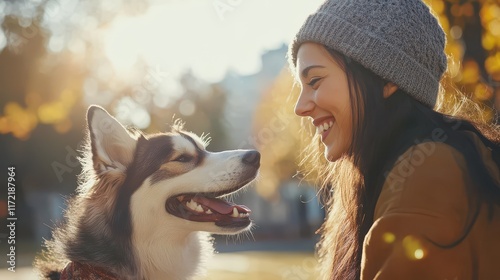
(415, 194)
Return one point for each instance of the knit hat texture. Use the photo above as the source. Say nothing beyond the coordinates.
(399, 40)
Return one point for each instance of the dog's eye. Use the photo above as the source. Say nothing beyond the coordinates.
(183, 158)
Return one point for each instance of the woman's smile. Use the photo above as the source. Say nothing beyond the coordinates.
(324, 126)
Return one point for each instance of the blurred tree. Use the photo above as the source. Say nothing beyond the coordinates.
(278, 135)
(473, 44)
(42, 46)
(52, 67)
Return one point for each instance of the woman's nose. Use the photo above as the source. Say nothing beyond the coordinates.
(304, 105)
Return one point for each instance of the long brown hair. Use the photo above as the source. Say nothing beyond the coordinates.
(383, 128)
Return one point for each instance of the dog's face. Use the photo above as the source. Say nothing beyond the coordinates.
(171, 183)
(188, 188)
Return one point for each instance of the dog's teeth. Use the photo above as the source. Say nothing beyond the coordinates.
(331, 123)
(199, 209)
(192, 205)
(235, 214)
(208, 211)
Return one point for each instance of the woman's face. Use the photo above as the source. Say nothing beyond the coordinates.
(324, 98)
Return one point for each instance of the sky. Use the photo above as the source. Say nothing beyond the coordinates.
(209, 37)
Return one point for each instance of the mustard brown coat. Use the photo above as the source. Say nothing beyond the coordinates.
(424, 205)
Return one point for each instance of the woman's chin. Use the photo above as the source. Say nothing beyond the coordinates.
(331, 155)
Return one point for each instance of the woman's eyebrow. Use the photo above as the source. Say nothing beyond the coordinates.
(306, 70)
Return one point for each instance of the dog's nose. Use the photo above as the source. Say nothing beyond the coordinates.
(252, 158)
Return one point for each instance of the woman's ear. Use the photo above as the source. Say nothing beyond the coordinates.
(389, 89)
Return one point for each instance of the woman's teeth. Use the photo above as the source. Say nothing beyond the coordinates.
(324, 127)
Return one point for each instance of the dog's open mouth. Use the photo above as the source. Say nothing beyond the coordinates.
(207, 208)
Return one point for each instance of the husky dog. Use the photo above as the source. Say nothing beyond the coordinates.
(146, 204)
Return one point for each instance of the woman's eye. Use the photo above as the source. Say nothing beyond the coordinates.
(183, 158)
(313, 81)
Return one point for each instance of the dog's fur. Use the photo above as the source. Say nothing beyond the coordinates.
(120, 220)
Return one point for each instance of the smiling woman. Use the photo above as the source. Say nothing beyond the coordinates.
(325, 98)
(410, 191)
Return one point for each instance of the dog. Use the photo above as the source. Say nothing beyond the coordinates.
(146, 205)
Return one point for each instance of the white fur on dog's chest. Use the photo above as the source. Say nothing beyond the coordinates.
(176, 258)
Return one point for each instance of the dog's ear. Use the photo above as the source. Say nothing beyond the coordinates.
(113, 147)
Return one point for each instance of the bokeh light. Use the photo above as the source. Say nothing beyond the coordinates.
(389, 237)
(413, 248)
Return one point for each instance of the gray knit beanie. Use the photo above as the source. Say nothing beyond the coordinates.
(399, 40)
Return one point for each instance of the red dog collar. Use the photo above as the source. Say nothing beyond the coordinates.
(81, 271)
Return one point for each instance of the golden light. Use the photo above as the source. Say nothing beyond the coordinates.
(180, 35)
(17, 120)
(492, 63)
(470, 72)
(437, 6)
(483, 92)
(120, 48)
(419, 254)
(53, 112)
(488, 41)
(489, 12)
(413, 248)
(4, 125)
(21, 121)
(389, 237)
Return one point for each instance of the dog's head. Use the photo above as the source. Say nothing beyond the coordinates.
(169, 181)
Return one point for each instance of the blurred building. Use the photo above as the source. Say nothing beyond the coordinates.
(296, 212)
(243, 94)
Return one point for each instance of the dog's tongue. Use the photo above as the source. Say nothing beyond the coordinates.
(219, 205)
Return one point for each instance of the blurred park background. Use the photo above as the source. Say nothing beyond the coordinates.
(218, 65)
